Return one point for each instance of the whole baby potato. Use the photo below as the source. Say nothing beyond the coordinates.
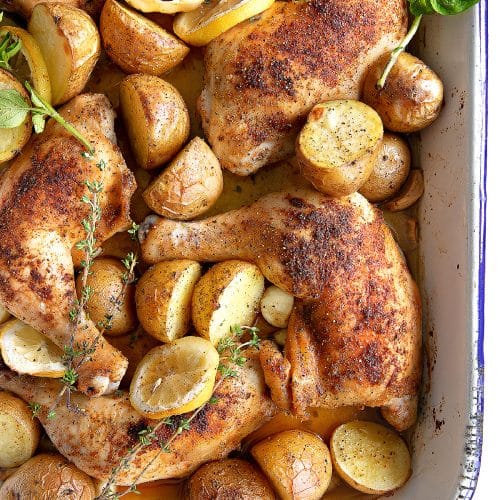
(229, 478)
(137, 44)
(106, 282)
(297, 463)
(189, 186)
(48, 477)
(156, 119)
(20, 432)
(412, 95)
(390, 170)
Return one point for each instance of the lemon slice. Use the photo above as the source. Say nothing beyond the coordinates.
(214, 17)
(25, 350)
(28, 64)
(175, 378)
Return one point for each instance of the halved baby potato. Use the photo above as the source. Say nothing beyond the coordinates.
(390, 170)
(12, 140)
(409, 194)
(70, 44)
(276, 306)
(137, 44)
(338, 146)
(156, 118)
(370, 457)
(189, 186)
(227, 295)
(163, 298)
(297, 463)
(29, 64)
(20, 431)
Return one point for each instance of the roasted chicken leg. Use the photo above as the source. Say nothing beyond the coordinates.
(98, 438)
(264, 75)
(41, 214)
(355, 336)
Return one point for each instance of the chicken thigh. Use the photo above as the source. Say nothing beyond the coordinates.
(354, 338)
(100, 436)
(264, 75)
(41, 214)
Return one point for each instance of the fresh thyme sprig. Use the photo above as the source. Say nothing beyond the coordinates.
(14, 110)
(231, 350)
(419, 8)
(9, 47)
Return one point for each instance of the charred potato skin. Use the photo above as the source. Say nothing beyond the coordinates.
(229, 478)
(136, 44)
(20, 431)
(156, 119)
(390, 171)
(189, 186)
(411, 98)
(45, 476)
(106, 281)
(297, 463)
(83, 44)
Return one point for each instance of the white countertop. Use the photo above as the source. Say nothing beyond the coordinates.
(488, 488)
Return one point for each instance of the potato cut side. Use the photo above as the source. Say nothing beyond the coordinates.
(137, 44)
(227, 295)
(156, 119)
(70, 44)
(20, 431)
(338, 146)
(175, 378)
(163, 298)
(276, 306)
(370, 457)
(189, 186)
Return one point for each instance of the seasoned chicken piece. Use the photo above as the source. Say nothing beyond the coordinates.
(96, 439)
(41, 214)
(264, 75)
(355, 337)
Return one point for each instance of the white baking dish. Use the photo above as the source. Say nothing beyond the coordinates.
(452, 153)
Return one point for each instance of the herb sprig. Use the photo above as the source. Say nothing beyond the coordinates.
(9, 47)
(231, 349)
(419, 8)
(14, 110)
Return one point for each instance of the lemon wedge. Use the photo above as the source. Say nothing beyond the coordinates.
(213, 17)
(28, 64)
(175, 378)
(25, 350)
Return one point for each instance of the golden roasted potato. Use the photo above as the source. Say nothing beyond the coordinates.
(137, 44)
(119, 246)
(390, 170)
(297, 463)
(156, 118)
(25, 7)
(134, 346)
(163, 298)
(29, 64)
(48, 477)
(229, 478)
(409, 194)
(106, 282)
(70, 44)
(411, 98)
(227, 295)
(12, 140)
(276, 306)
(20, 431)
(338, 146)
(370, 457)
(190, 184)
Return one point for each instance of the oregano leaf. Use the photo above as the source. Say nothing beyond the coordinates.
(13, 108)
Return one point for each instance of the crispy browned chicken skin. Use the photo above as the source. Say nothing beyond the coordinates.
(41, 214)
(264, 75)
(355, 337)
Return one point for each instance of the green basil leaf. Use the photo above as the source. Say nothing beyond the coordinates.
(452, 7)
(38, 122)
(13, 108)
(419, 7)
